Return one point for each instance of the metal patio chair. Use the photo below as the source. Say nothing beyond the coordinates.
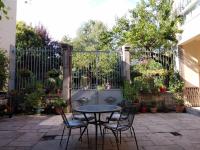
(73, 124)
(124, 123)
(79, 116)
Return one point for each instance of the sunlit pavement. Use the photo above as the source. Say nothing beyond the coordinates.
(159, 131)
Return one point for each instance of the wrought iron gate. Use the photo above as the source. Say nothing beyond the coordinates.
(96, 69)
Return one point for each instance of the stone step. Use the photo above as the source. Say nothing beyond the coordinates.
(193, 110)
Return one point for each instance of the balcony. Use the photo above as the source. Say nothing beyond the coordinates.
(183, 7)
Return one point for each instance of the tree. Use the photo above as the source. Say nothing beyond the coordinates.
(66, 39)
(41, 31)
(88, 36)
(153, 26)
(26, 37)
(119, 32)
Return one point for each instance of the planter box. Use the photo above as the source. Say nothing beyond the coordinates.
(165, 98)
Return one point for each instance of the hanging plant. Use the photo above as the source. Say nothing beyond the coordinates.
(25, 73)
(53, 73)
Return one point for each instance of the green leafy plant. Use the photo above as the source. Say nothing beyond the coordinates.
(153, 103)
(130, 91)
(25, 73)
(59, 102)
(179, 100)
(53, 73)
(34, 100)
(176, 83)
(3, 68)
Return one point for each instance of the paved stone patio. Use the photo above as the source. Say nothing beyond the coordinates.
(153, 131)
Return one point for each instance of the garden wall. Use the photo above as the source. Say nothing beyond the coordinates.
(109, 96)
(166, 98)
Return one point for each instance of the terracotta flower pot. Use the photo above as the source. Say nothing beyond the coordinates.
(153, 109)
(162, 89)
(143, 109)
(180, 108)
(57, 110)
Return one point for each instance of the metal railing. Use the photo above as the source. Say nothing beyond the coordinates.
(32, 65)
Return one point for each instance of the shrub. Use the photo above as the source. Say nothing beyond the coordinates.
(3, 69)
(25, 73)
(176, 83)
(59, 102)
(53, 73)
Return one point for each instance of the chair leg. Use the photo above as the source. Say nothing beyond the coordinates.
(135, 138)
(120, 136)
(100, 130)
(82, 133)
(104, 130)
(62, 134)
(116, 139)
(131, 131)
(88, 138)
(68, 138)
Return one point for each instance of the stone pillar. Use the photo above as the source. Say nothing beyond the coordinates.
(126, 62)
(67, 67)
(12, 71)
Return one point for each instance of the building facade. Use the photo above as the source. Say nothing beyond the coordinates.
(189, 42)
(7, 37)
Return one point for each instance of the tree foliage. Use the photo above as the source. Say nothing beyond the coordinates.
(42, 32)
(3, 9)
(3, 68)
(66, 39)
(26, 37)
(32, 37)
(88, 36)
(153, 26)
(150, 26)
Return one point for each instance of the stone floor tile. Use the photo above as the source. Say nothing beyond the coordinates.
(152, 132)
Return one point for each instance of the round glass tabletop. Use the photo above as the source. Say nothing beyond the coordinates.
(98, 108)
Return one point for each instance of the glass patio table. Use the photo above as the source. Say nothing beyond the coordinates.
(97, 110)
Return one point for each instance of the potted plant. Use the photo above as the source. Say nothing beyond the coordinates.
(180, 107)
(143, 107)
(153, 106)
(33, 102)
(162, 88)
(53, 73)
(25, 73)
(57, 104)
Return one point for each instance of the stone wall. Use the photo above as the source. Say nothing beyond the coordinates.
(166, 98)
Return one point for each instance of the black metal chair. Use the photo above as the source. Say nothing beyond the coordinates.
(124, 123)
(79, 116)
(120, 115)
(72, 124)
(115, 116)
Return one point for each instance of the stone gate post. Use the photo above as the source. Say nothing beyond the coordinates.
(67, 67)
(126, 62)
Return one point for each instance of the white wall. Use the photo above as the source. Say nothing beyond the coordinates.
(191, 24)
(7, 37)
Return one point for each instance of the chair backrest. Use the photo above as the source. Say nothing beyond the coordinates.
(80, 102)
(126, 117)
(62, 113)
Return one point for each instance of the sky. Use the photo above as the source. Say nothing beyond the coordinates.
(64, 17)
